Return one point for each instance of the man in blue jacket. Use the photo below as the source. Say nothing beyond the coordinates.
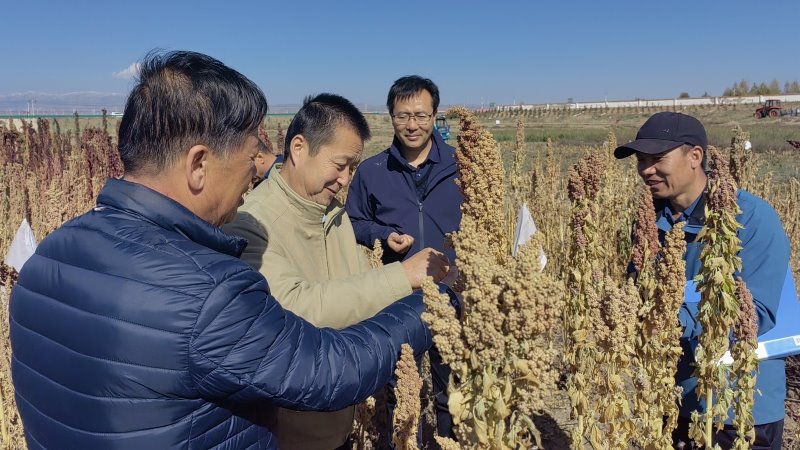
(670, 150)
(407, 198)
(135, 326)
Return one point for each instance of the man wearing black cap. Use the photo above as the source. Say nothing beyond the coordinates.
(670, 150)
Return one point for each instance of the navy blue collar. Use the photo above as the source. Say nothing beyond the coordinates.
(164, 212)
(694, 215)
(434, 155)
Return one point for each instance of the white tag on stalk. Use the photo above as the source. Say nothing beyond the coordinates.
(524, 231)
(22, 247)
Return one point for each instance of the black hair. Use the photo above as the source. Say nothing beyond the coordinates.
(409, 86)
(182, 99)
(318, 118)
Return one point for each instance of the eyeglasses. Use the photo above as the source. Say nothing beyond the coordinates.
(403, 118)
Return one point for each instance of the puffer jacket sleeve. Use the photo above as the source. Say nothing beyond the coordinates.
(246, 348)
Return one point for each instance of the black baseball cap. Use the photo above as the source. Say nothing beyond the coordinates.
(665, 131)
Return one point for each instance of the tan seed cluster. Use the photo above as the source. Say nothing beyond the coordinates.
(445, 326)
(645, 233)
(376, 255)
(407, 411)
(745, 366)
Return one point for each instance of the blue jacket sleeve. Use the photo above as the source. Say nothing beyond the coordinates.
(765, 259)
(246, 348)
(362, 215)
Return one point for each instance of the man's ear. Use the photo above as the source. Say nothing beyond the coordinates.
(196, 165)
(297, 147)
(696, 155)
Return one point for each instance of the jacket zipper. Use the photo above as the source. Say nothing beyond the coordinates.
(421, 227)
(421, 193)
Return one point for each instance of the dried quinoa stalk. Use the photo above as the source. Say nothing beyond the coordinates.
(407, 391)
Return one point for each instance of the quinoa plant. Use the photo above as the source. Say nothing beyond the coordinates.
(280, 139)
(519, 183)
(376, 254)
(264, 137)
(548, 206)
(585, 273)
(407, 392)
(718, 310)
(615, 331)
(658, 344)
(499, 349)
(741, 159)
(745, 366)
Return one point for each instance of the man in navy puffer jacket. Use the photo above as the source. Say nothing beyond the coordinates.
(135, 326)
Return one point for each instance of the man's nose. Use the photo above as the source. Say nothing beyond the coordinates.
(344, 178)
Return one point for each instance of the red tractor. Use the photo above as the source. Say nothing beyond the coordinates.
(770, 108)
(774, 109)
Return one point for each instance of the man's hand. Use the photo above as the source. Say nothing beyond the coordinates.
(451, 277)
(399, 243)
(426, 263)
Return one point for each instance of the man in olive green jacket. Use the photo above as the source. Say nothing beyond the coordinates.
(300, 237)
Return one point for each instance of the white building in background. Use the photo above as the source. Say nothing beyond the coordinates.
(643, 103)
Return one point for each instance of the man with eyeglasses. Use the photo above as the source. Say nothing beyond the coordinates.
(407, 198)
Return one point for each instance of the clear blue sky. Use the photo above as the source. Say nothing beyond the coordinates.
(501, 51)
